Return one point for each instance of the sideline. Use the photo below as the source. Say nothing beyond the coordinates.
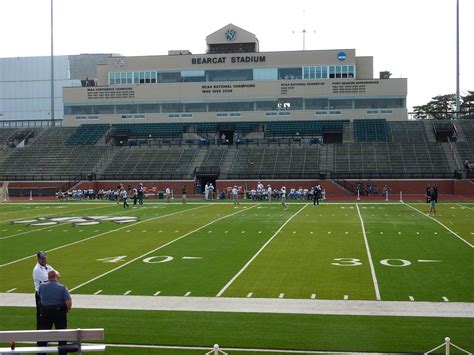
(369, 255)
(258, 252)
(258, 305)
(101, 234)
(161, 246)
(452, 232)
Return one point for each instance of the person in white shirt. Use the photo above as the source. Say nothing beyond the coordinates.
(40, 276)
(206, 191)
(269, 193)
(168, 194)
(235, 195)
(124, 196)
(283, 198)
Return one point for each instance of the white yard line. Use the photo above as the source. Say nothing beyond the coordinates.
(452, 232)
(258, 252)
(369, 255)
(101, 234)
(459, 204)
(160, 247)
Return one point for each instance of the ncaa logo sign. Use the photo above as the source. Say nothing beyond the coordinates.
(341, 56)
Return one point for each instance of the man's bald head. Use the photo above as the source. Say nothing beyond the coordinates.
(52, 275)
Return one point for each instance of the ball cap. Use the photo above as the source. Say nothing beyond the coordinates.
(41, 255)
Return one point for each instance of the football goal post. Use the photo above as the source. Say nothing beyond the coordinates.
(447, 347)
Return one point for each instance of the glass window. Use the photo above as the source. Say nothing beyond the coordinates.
(195, 107)
(312, 74)
(230, 75)
(340, 104)
(230, 106)
(332, 72)
(153, 77)
(306, 72)
(267, 105)
(265, 74)
(379, 103)
(290, 73)
(102, 109)
(81, 110)
(172, 108)
(148, 108)
(350, 71)
(147, 77)
(129, 78)
(126, 108)
(136, 77)
(318, 72)
(316, 104)
(142, 77)
(338, 71)
(169, 77)
(123, 77)
(111, 78)
(324, 72)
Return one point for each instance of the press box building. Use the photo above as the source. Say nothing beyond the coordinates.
(234, 81)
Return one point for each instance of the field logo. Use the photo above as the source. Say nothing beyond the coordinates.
(341, 56)
(77, 221)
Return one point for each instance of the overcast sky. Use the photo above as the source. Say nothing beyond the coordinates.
(414, 39)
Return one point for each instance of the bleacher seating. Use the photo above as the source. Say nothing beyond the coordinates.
(87, 134)
(368, 130)
(301, 128)
(145, 130)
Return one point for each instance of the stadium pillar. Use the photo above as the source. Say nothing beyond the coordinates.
(52, 69)
(358, 195)
(458, 106)
(401, 196)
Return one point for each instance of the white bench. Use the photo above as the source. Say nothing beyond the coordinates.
(77, 336)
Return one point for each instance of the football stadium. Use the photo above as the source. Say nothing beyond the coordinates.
(267, 202)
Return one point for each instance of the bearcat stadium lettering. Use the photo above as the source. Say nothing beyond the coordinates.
(223, 60)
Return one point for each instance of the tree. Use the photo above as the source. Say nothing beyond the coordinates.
(443, 107)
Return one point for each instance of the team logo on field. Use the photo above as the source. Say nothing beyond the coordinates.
(77, 221)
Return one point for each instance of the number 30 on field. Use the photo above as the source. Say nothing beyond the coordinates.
(357, 262)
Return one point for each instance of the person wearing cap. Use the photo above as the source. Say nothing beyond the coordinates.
(55, 303)
(40, 276)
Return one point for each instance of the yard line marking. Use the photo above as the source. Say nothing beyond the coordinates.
(453, 233)
(313, 296)
(346, 297)
(411, 298)
(160, 247)
(101, 234)
(281, 295)
(429, 261)
(445, 299)
(156, 293)
(127, 293)
(191, 257)
(144, 231)
(258, 252)
(372, 269)
(187, 294)
(249, 294)
(97, 292)
(13, 289)
(465, 206)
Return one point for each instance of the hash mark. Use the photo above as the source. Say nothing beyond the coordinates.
(249, 295)
(411, 298)
(187, 294)
(346, 297)
(13, 289)
(128, 292)
(156, 293)
(313, 296)
(281, 295)
(97, 292)
(445, 299)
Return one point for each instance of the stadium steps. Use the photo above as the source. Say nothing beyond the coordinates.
(429, 129)
(226, 165)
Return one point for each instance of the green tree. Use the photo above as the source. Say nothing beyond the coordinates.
(443, 107)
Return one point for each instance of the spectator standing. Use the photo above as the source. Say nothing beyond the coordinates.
(55, 303)
(235, 195)
(283, 198)
(269, 193)
(124, 196)
(316, 194)
(40, 276)
(183, 193)
(168, 194)
(141, 192)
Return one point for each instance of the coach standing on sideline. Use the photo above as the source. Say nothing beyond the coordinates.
(55, 303)
(40, 276)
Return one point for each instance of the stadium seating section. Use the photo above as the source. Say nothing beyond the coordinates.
(280, 149)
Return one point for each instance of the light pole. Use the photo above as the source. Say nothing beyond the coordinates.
(52, 69)
(458, 106)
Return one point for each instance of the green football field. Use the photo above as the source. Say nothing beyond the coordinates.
(336, 251)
